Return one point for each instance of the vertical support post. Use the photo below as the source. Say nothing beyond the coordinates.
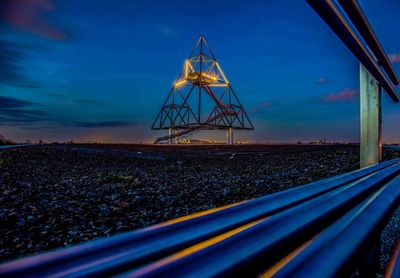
(229, 136)
(175, 138)
(169, 134)
(370, 119)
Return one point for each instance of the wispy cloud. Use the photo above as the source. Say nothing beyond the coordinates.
(167, 30)
(68, 102)
(21, 113)
(343, 96)
(264, 104)
(261, 107)
(15, 111)
(25, 16)
(104, 124)
(10, 70)
(394, 58)
(30, 16)
(87, 101)
(322, 80)
(10, 102)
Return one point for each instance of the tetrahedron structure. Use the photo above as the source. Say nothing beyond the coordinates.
(201, 99)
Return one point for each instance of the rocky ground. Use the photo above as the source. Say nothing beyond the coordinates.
(57, 195)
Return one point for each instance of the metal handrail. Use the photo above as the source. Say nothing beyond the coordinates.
(330, 14)
(133, 249)
(353, 10)
(358, 229)
(253, 249)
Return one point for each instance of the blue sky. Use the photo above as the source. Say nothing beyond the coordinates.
(100, 70)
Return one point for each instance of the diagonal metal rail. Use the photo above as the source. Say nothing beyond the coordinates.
(331, 15)
(254, 249)
(133, 249)
(360, 229)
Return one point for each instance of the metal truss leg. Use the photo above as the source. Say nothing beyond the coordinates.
(370, 120)
(170, 134)
(175, 137)
(229, 136)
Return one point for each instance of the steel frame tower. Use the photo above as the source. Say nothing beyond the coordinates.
(201, 98)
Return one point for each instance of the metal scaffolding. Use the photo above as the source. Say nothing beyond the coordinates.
(201, 99)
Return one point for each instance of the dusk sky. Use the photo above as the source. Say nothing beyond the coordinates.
(100, 70)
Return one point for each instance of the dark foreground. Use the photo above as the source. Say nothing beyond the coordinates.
(57, 195)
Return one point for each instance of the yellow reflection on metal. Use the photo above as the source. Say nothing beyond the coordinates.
(218, 85)
(209, 76)
(213, 240)
(190, 65)
(204, 244)
(186, 68)
(201, 213)
(279, 265)
(179, 83)
(222, 73)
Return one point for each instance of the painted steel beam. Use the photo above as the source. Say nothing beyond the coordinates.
(342, 246)
(370, 120)
(357, 17)
(113, 255)
(260, 246)
(229, 136)
(330, 14)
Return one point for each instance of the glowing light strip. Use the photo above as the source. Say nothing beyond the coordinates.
(212, 65)
(197, 214)
(280, 264)
(180, 83)
(217, 85)
(190, 65)
(186, 68)
(209, 76)
(222, 73)
(207, 243)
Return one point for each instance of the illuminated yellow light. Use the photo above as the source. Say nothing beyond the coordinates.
(186, 68)
(205, 244)
(218, 85)
(190, 65)
(209, 76)
(212, 241)
(280, 264)
(222, 73)
(198, 214)
(180, 83)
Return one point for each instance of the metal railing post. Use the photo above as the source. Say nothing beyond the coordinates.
(229, 136)
(170, 134)
(370, 119)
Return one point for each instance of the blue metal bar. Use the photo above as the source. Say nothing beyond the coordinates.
(339, 248)
(252, 250)
(115, 254)
(357, 17)
(15, 146)
(391, 147)
(330, 14)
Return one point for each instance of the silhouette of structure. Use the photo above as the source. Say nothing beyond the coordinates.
(201, 99)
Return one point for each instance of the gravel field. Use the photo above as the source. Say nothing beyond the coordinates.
(57, 195)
